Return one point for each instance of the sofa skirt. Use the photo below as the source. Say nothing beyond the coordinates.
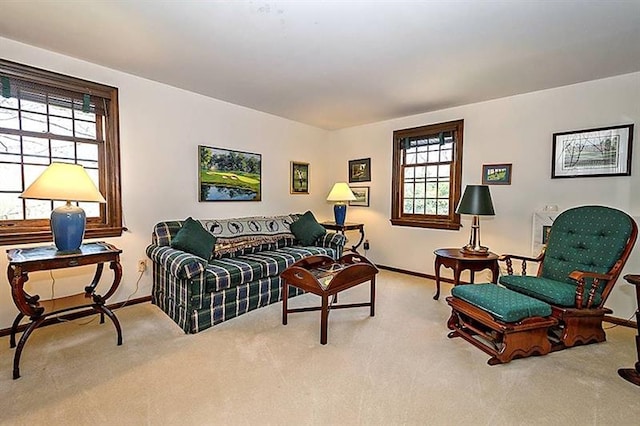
(219, 306)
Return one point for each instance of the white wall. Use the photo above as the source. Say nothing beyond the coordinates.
(516, 130)
(160, 128)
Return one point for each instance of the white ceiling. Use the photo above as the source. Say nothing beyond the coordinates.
(335, 64)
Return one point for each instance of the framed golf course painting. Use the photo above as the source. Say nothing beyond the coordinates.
(227, 175)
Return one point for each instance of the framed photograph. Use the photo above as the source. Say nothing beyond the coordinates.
(360, 170)
(594, 152)
(496, 174)
(362, 196)
(227, 175)
(299, 178)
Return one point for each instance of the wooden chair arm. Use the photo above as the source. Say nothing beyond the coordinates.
(524, 259)
(579, 277)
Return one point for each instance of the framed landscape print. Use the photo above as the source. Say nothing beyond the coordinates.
(362, 196)
(496, 174)
(299, 180)
(360, 170)
(227, 175)
(605, 151)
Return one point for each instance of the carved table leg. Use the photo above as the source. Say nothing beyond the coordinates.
(437, 266)
(14, 330)
(633, 374)
(23, 340)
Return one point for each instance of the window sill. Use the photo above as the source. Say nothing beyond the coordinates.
(433, 224)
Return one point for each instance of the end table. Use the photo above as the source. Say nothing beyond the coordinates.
(347, 227)
(632, 375)
(24, 261)
(459, 261)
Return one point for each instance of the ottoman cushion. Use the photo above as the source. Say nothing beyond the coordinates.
(504, 304)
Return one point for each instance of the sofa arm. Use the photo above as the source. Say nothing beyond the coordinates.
(332, 240)
(181, 264)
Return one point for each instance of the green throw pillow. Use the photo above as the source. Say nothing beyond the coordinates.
(194, 239)
(307, 229)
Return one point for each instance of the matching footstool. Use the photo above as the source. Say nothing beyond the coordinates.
(501, 322)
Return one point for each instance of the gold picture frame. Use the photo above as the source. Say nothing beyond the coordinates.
(299, 178)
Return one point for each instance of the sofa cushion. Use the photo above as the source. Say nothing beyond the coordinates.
(555, 292)
(307, 229)
(194, 239)
(503, 304)
(230, 272)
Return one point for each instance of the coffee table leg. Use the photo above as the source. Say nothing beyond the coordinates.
(285, 295)
(373, 297)
(324, 314)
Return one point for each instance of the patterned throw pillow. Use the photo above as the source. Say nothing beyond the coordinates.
(194, 239)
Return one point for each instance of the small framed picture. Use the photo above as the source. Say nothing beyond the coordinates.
(605, 151)
(360, 170)
(496, 174)
(299, 178)
(362, 196)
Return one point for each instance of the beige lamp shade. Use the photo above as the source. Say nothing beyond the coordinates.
(341, 193)
(64, 182)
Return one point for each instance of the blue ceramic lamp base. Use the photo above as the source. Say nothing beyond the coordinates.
(340, 213)
(67, 226)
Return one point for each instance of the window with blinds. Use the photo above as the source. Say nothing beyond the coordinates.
(427, 169)
(47, 117)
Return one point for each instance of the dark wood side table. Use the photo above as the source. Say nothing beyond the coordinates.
(347, 227)
(633, 374)
(325, 277)
(459, 261)
(24, 261)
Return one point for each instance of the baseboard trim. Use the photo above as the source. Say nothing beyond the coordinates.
(607, 318)
(77, 314)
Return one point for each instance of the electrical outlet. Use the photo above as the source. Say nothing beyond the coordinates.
(142, 265)
(366, 244)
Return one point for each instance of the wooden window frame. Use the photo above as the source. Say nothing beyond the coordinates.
(109, 223)
(452, 220)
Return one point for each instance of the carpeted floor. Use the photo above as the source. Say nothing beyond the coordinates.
(395, 368)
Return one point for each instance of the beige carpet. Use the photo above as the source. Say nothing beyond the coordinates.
(396, 368)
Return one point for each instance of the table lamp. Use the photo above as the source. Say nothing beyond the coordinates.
(65, 182)
(340, 194)
(476, 201)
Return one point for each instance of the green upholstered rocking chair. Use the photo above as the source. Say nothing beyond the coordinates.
(586, 251)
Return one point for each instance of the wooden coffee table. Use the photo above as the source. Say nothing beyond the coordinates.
(327, 277)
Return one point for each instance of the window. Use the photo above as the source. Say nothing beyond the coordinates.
(427, 170)
(47, 117)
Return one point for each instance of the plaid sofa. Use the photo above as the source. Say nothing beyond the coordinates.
(242, 274)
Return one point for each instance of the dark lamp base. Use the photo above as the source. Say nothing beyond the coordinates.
(475, 251)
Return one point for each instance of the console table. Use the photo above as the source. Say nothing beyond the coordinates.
(24, 261)
(347, 227)
(459, 261)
